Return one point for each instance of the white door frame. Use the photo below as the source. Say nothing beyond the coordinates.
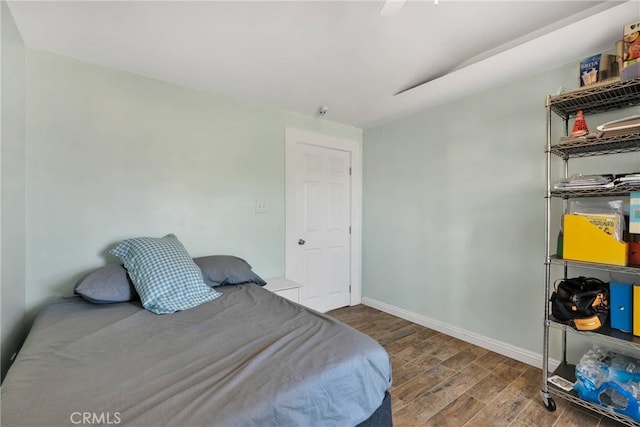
(292, 135)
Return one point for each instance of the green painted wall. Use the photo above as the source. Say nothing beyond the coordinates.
(454, 209)
(12, 179)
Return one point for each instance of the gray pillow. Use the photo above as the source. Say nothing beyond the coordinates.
(111, 283)
(219, 270)
(107, 284)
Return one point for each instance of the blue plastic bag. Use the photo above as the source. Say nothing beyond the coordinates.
(610, 380)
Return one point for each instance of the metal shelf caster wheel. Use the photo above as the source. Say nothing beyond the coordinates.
(550, 404)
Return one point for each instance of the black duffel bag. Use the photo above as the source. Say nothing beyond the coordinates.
(582, 302)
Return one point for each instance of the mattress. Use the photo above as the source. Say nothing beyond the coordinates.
(248, 358)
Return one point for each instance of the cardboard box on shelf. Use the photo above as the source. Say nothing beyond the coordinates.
(597, 68)
(634, 253)
(631, 44)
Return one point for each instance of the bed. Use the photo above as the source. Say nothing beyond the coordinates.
(247, 358)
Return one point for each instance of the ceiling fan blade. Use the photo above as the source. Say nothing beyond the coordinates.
(391, 7)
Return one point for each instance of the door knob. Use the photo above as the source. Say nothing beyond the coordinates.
(301, 242)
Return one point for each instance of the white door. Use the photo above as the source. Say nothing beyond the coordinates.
(318, 247)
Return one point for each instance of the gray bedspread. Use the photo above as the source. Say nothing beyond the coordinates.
(248, 358)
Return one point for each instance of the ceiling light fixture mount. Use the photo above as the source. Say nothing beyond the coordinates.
(323, 110)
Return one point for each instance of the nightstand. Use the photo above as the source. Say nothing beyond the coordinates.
(285, 288)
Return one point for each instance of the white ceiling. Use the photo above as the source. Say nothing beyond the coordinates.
(298, 55)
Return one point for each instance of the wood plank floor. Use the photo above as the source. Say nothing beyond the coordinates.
(442, 381)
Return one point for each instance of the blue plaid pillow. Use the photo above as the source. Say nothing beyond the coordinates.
(164, 274)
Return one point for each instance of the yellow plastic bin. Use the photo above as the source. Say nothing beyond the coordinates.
(584, 241)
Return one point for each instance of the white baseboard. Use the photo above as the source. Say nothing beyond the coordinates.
(500, 347)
